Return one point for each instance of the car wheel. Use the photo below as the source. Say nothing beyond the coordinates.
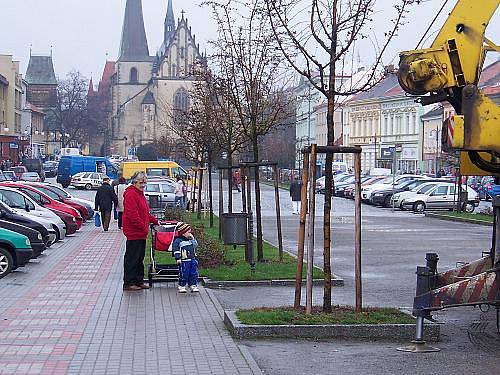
(88, 187)
(65, 185)
(401, 206)
(58, 234)
(387, 201)
(419, 207)
(468, 207)
(6, 262)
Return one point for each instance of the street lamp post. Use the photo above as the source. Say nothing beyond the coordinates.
(437, 147)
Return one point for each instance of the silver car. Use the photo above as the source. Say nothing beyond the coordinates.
(87, 180)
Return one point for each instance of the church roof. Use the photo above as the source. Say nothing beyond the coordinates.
(109, 70)
(91, 88)
(134, 44)
(149, 98)
(41, 71)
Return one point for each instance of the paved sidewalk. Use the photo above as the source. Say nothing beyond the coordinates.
(68, 315)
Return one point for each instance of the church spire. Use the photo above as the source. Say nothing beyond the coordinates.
(134, 44)
(91, 91)
(169, 23)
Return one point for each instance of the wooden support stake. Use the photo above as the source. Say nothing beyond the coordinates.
(221, 203)
(310, 229)
(357, 231)
(199, 200)
(278, 212)
(302, 231)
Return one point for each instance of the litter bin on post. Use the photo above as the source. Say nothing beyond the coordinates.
(234, 228)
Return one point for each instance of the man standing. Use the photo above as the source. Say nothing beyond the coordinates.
(104, 200)
(136, 220)
(295, 194)
(119, 191)
(179, 193)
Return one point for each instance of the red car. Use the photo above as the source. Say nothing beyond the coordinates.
(58, 197)
(46, 201)
(69, 221)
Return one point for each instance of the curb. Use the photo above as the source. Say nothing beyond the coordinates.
(458, 219)
(243, 349)
(399, 332)
(208, 283)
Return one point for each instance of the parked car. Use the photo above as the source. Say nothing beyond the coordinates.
(50, 169)
(30, 176)
(56, 196)
(87, 180)
(349, 190)
(320, 182)
(22, 203)
(367, 191)
(36, 233)
(9, 176)
(19, 170)
(66, 195)
(441, 196)
(400, 198)
(384, 197)
(15, 251)
(160, 193)
(341, 186)
(485, 188)
(45, 201)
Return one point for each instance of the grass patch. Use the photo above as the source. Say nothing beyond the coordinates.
(340, 315)
(466, 215)
(234, 267)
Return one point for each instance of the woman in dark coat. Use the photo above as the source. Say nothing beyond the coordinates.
(295, 187)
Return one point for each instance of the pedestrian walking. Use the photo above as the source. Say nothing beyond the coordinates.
(136, 220)
(184, 251)
(119, 191)
(179, 193)
(295, 194)
(104, 200)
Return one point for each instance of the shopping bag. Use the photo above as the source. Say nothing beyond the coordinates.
(97, 219)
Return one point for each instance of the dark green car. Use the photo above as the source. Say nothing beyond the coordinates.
(15, 251)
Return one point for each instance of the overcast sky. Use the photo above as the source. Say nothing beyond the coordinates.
(83, 31)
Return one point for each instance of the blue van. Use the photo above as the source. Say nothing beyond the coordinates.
(71, 165)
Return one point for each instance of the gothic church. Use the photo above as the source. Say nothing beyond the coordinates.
(147, 90)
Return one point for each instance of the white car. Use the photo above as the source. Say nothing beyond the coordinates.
(87, 180)
(441, 196)
(367, 191)
(398, 199)
(24, 205)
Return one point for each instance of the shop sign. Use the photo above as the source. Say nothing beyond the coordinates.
(410, 153)
(386, 153)
(13, 145)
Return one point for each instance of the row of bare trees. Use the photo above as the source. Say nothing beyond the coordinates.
(246, 90)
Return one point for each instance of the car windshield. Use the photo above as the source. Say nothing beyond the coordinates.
(49, 192)
(414, 184)
(59, 191)
(30, 174)
(425, 188)
(168, 188)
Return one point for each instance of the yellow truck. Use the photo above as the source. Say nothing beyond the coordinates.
(153, 169)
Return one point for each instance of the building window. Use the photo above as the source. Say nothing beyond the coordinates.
(181, 105)
(183, 52)
(174, 70)
(134, 76)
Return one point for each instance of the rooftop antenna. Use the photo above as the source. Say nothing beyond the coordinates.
(31, 48)
(51, 47)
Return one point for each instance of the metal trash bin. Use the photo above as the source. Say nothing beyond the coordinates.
(234, 228)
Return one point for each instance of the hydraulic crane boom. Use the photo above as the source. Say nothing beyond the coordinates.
(450, 70)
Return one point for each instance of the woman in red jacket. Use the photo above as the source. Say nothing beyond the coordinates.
(136, 220)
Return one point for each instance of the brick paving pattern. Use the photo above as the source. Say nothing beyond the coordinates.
(68, 315)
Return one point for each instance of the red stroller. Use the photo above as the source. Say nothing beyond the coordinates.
(162, 237)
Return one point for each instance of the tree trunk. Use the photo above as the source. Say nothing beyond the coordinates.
(258, 209)
(210, 189)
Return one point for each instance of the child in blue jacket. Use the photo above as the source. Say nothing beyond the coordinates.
(184, 251)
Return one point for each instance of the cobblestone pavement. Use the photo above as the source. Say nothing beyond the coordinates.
(66, 313)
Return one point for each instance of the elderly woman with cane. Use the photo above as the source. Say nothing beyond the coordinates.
(136, 220)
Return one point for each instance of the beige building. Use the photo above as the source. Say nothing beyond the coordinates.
(148, 91)
(10, 118)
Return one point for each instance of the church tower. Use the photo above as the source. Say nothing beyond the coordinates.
(169, 24)
(133, 77)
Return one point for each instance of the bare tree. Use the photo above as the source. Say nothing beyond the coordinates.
(71, 116)
(319, 39)
(248, 58)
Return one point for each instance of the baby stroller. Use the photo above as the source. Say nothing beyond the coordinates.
(162, 237)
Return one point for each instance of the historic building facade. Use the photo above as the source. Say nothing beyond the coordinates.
(146, 90)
